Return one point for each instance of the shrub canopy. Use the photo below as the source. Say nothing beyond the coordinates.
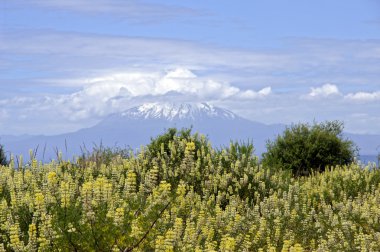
(303, 148)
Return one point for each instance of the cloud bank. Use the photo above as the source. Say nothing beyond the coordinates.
(179, 80)
(114, 93)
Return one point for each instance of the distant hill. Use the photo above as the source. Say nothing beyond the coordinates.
(136, 126)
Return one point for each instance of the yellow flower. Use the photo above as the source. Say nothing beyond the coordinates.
(227, 244)
(39, 203)
(52, 178)
(190, 147)
(119, 216)
(65, 194)
(131, 182)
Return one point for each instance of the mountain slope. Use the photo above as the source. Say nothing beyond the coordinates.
(136, 126)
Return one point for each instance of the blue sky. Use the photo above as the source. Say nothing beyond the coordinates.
(66, 64)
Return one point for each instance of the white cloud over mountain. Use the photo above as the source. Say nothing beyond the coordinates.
(116, 92)
(179, 80)
(113, 93)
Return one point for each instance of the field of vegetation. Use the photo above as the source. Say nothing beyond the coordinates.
(181, 194)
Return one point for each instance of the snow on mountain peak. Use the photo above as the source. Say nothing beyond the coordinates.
(173, 111)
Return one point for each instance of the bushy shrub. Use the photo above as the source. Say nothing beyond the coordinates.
(304, 148)
(162, 143)
(172, 143)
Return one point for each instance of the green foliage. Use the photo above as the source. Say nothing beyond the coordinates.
(303, 148)
(187, 198)
(3, 157)
(163, 143)
(101, 155)
(172, 144)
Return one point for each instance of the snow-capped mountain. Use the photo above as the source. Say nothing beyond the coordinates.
(178, 111)
(136, 126)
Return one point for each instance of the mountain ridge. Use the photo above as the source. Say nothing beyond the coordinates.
(137, 125)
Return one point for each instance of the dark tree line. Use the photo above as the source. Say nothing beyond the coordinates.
(3, 157)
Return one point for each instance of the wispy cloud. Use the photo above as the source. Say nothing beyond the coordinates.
(113, 51)
(136, 11)
(61, 58)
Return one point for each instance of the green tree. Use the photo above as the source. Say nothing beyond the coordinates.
(303, 148)
(3, 158)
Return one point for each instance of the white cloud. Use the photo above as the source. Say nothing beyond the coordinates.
(363, 96)
(114, 93)
(324, 91)
(179, 80)
(249, 94)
